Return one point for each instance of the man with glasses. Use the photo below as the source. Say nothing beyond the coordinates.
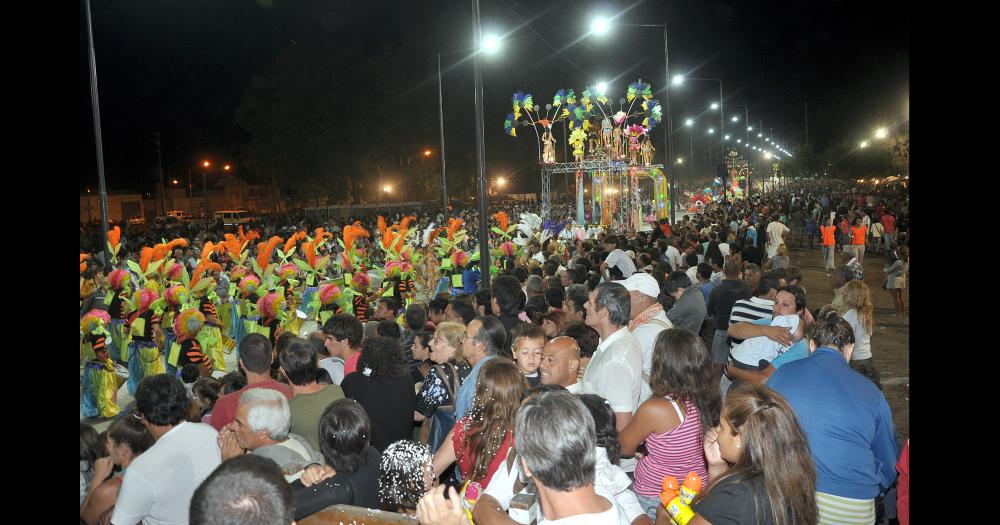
(483, 339)
(158, 486)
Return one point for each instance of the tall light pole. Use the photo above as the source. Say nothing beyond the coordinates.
(600, 26)
(103, 195)
(444, 177)
(484, 249)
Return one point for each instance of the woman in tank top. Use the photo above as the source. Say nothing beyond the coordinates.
(672, 422)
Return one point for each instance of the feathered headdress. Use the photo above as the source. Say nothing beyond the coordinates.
(83, 265)
(202, 267)
(459, 258)
(188, 323)
(360, 281)
(117, 279)
(290, 243)
(114, 243)
(264, 251)
(453, 226)
(352, 232)
(431, 233)
(175, 272)
(508, 249)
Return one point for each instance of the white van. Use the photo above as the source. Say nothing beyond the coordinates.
(233, 217)
(180, 215)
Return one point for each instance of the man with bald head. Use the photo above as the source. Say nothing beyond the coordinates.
(561, 363)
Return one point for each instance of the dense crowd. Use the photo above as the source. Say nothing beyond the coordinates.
(671, 374)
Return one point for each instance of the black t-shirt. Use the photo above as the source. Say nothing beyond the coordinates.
(389, 402)
(753, 254)
(737, 502)
(358, 488)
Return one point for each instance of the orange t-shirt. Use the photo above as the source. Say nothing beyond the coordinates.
(828, 232)
(858, 235)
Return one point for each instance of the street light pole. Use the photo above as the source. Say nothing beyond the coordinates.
(484, 249)
(444, 177)
(97, 138)
(668, 139)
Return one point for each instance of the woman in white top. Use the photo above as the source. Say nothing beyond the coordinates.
(858, 300)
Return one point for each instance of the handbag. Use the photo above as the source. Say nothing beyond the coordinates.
(435, 428)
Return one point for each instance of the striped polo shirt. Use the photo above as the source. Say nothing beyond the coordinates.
(750, 310)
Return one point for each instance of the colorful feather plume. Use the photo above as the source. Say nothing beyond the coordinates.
(501, 217)
(175, 272)
(264, 251)
(232, 245)
(114, 236)
(429, 239)
(508, 125)
(381, 225)
(453, 226)
(200, 270)
(508, 249)
(145, 257)
(459, 258)
(352, 232)
(290, 243)
(361, 281)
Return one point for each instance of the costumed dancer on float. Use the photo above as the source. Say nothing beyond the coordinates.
(100, 379)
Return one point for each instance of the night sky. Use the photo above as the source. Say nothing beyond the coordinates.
(181, 68)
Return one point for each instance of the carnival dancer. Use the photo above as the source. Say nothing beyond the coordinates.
(175, 296)
(187, 349)
(119, 281)
(203, 291)
(143, 326)
(271, 308)
(100, 379)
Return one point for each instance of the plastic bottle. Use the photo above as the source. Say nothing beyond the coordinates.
(691, 487)
(675, 506)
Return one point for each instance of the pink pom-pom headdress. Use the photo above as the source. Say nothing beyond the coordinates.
(188, 323)
(143, 298)
(270, 305)
(288, 271)
(249, 285)
(118, 278)
(176, 295)
(93, 319)
(329, 294)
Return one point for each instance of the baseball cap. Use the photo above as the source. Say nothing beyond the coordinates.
(642, 282)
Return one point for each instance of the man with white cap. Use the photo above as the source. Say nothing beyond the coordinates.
(646, 320)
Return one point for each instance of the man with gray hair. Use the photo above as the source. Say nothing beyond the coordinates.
(555, 444)
(261, 426)
(615, 370)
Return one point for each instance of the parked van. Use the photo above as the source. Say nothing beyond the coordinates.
(233, 217)
(180, 215)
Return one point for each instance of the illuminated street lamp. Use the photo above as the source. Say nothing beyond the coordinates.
(600, 26)
(864, 144)
(501, 181)
(689, 122)
(427, 153)
(491, 44)
(881, 133)
(680, 160)
(714, 105)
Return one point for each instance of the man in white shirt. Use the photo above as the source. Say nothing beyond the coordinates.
(672, 255)
(646, 320)
(158, 485)
(615, 370)
(616, 258)
(776, 233)
(561, 363)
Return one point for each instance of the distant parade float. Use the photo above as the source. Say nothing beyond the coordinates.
(609, 144)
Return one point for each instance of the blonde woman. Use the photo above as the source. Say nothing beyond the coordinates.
(858, 300)
(780, 260)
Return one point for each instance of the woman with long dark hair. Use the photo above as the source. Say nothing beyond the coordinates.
(685, 402)
(759, 463)
(480, 440)
(126, 438)
(382, 384)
